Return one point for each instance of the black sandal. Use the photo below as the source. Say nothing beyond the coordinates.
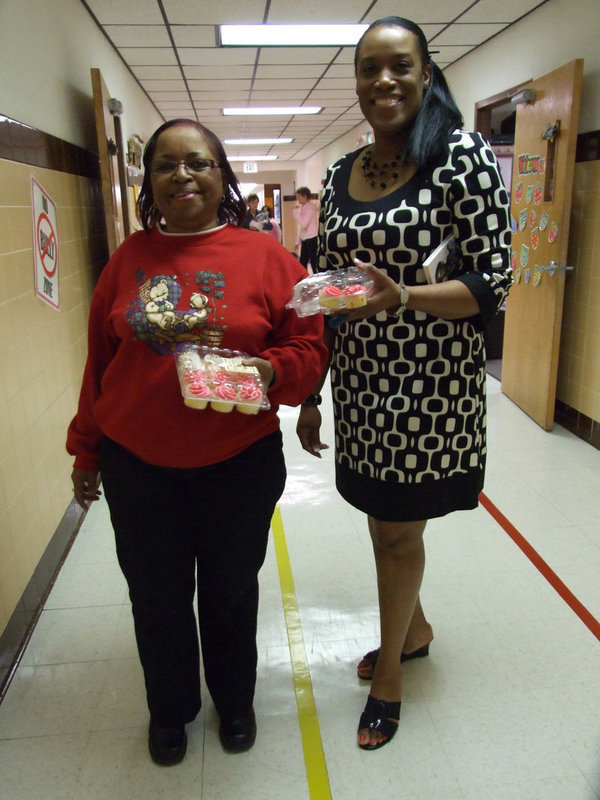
(382, 717)
(370, 659)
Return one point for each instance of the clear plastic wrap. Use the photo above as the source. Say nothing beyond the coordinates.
(219, 378)
(332, 291)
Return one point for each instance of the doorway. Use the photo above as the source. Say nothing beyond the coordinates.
(495, 119)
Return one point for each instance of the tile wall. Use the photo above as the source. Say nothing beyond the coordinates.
(42, 350)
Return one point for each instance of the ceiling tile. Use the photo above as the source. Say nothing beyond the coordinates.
(221, 87)
(316, 11)
(208, 73)
(294, 55)
(135, 56)
(493, 11)
(468, 34)
(424, 12)
(162, 72)
(300, 84)
(188, 12)
(116, 12)
(152, 86)
(220, 99)
(289, 71)
(217, 56)
(193, 35)
(290, 97)
(132, 35)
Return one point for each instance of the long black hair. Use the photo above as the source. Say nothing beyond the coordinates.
(439, 115)
(232, 208)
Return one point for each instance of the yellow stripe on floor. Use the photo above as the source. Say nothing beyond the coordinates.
(314, 757)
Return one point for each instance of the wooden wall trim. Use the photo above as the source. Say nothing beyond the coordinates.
(27, 145)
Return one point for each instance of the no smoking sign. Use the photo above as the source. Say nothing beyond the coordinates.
(45, 245)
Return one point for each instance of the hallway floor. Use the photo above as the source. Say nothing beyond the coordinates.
(506, 707)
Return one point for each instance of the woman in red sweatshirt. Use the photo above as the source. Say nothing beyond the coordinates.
(191, 493)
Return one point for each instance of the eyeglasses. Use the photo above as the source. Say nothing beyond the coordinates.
(191, 166)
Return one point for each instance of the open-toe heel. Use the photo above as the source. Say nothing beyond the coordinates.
(366, 666)
(382, 717)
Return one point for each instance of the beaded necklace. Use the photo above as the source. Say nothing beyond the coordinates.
(374, 173)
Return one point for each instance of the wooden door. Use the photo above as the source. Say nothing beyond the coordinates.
(109, 169)
(544, 161)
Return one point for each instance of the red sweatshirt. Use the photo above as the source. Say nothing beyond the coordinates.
(227, 287)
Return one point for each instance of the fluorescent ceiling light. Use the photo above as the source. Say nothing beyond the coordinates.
(251, 158)
(271, 111)
(295, 35)
(258, 141)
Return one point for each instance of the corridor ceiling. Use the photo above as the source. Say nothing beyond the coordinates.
(172, 49)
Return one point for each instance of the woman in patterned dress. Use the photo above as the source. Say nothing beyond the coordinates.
(408, 369)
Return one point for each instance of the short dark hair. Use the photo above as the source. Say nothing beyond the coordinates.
(232, 208)
(252, 197)
(439, 115)
(304, 191)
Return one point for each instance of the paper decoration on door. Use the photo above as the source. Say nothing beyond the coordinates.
(513, 224)
(544, 220)
(518, 192)
(518, 275)
(522, 219)
(535, 238)
(538, 194)
(532, 218)
(527, 275)
(530, 165)
(529, 193)
(552, 232)
(537, 277)
(524, 255)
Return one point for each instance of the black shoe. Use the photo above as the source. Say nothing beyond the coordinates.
(167, 744)
(237, 733)
(382, 717)
(366, 666)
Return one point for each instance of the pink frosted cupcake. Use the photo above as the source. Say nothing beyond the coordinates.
(226, 397)
(220, 376)
(355, 296)
(198, 393)
(249, 398)
(331, 296)
(194, 375)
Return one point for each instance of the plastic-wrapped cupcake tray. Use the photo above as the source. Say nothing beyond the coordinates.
(219, 378)
(329, 292)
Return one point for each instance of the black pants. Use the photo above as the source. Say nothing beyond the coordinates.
(181, 529)
(308, 252)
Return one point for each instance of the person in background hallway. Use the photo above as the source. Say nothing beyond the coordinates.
(408, 369)
(191, 493)
(269, 225)
(306, 214)
(251, 210)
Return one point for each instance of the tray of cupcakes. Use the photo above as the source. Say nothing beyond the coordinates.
(219, 379)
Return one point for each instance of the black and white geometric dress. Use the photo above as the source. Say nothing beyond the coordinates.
(409, 392)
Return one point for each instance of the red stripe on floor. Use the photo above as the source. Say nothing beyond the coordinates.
(567, 595)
